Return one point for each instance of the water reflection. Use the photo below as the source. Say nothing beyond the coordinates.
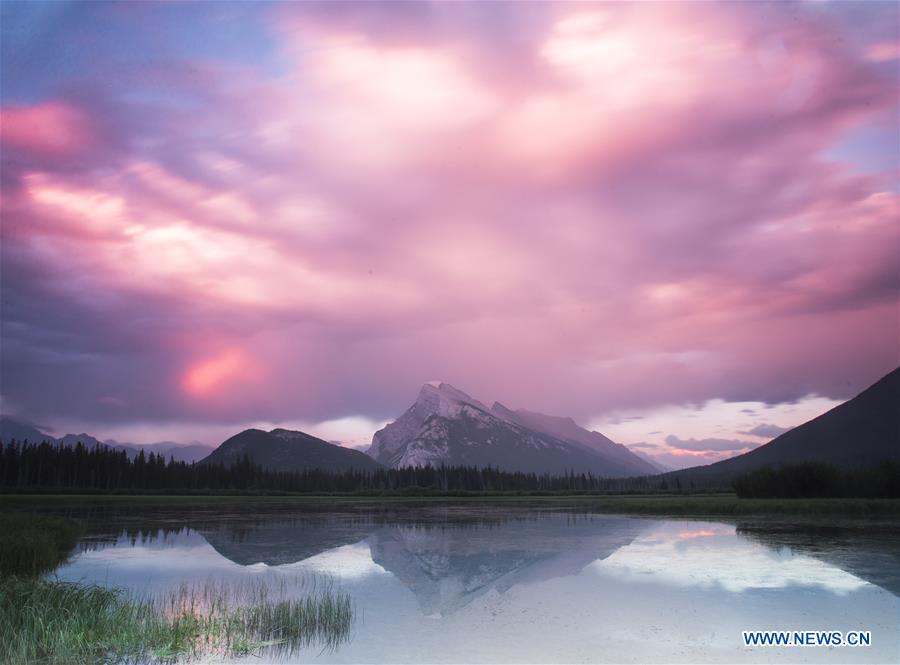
(868, 550)
(446, 563)
(447, 568)
(712, 555)
(490, 584)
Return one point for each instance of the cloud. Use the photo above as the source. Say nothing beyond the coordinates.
(108, 400)
(50, 129)
(767, 431)
(708, 445)
(558, 218)
(883, 51)
(674, 459)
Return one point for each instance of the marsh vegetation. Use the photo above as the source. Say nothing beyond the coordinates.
(44, 620)
(32, 545)
(165, 579)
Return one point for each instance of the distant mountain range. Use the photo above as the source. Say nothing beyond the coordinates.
(447, 426)
(856, 434)
(181, 452)
(12, 429)
(288, 450)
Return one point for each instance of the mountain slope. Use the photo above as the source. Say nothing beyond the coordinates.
(858, 433)
(287, 450)
(182, 452)
(21, 432)
(86, 440)
(566, 429)
(13, 429)
(447, 426)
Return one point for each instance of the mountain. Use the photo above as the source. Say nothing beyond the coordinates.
(858, 433)
(566, 429)
(180, 452)
(21, 431)
(287, 450)
(86, 440)
(447, 426)
(13, 429)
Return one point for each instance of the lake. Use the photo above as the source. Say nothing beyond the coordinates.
(527, 583)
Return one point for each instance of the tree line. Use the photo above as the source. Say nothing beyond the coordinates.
(52, 467)
(815, 479)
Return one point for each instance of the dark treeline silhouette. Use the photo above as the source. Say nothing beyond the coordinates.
(51, 467)
(815, 479)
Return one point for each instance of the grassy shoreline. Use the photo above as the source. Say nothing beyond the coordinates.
(32, 545)
(48, 620)
(651, 504)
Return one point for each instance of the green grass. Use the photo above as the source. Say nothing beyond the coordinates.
(49, 621)
(728, 504)
(646, 504)
(32, 544)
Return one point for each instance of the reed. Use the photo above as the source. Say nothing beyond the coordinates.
(44, 620)
(51, 621)
(32, 544)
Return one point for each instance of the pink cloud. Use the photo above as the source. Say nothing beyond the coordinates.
(883, 51)
(51, 129)
(569, 221)
(698, 533)
(213, 374)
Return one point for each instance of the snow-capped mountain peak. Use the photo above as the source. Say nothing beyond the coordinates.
(447, 426)
(440, 398)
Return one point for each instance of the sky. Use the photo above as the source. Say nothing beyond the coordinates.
(676, 223)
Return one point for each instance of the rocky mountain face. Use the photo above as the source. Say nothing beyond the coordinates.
(288, 450)
(447, 426)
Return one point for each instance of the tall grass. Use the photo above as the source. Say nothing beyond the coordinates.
(33, 544)
(280, 613)
(50, 621)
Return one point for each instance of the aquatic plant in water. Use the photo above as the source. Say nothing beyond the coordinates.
(34, 544)
(45, 620)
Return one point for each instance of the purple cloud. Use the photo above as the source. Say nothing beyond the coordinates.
(309, 228)
(708, 445)
(766, 430)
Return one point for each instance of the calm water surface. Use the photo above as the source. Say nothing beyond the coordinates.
(493, 583)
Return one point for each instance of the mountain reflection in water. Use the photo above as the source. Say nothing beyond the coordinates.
(446, 559)
(499, 583)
